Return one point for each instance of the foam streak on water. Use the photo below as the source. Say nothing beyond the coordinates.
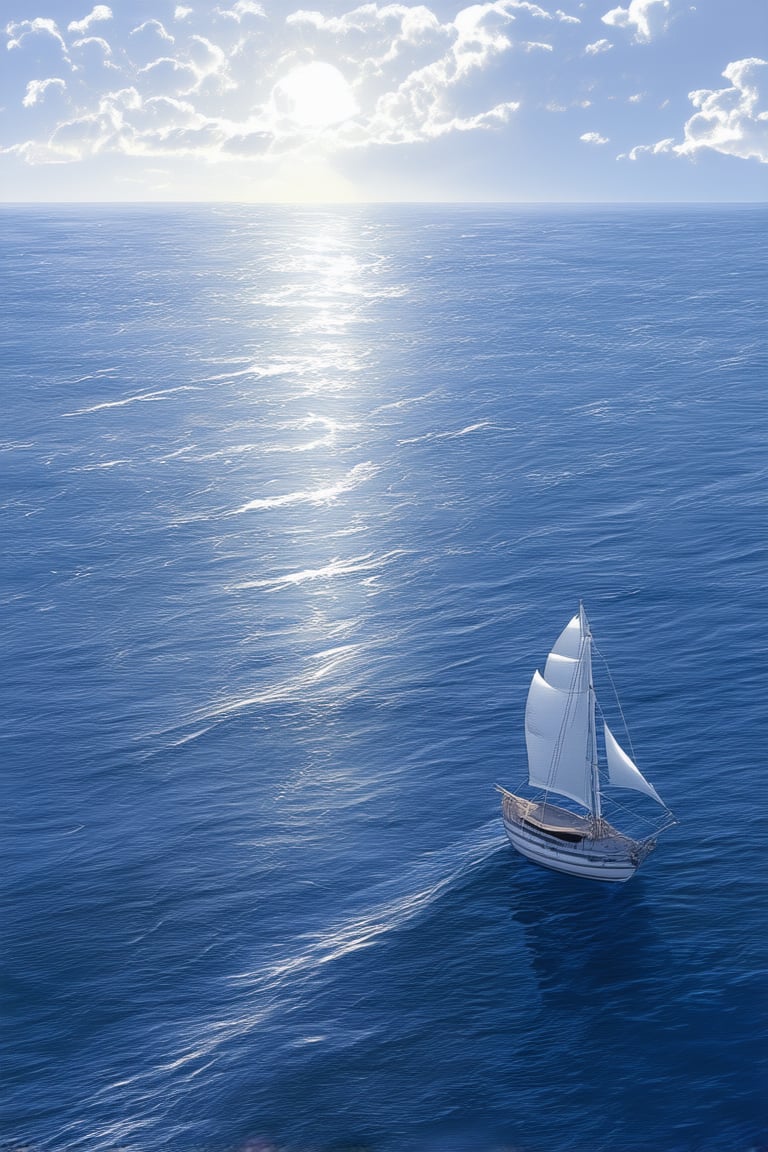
(294, 502)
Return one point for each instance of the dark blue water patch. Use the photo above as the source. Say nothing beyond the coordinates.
(294, 502)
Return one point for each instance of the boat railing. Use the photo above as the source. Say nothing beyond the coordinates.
(518, 811)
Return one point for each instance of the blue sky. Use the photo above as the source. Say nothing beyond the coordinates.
(646, 100)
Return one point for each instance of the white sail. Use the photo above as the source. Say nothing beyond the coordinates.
(569, 641)
(562, 672)
(557, 720)
(622, 771)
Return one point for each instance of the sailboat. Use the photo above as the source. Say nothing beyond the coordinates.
(561, 739)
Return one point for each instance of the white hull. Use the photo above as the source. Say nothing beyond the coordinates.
(612, 857)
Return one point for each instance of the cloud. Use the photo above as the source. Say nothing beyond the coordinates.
(731, 120)
(598, 46)
(411, 75)
(100, 12)
(19, 32)
(240, 9)
(36, 89)
(167, 76)
(647, 18)
(656, 149)
(593, 138)
(415, 76)
(99, 41)
(155, 26)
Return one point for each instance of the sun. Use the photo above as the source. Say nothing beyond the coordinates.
(314, 95)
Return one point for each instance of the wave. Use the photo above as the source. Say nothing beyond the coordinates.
(356, 476)
(275, 986)
(481, 426)
(103, 464)
(138, 398)
(336, 567)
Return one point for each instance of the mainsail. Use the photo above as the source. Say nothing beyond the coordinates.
(558, 719)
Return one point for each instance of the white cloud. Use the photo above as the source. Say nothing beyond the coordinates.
(155, 26)
(240, 9)
(415, 76)
(36, 89)
(649, 149)
(731, 120)
(99, 41)
(593, 138)
(646, 18)
(209, 62)
(24, 28)
(381, 44)
(100, 12)
(407, 75)
(598, 46)
(166, 77)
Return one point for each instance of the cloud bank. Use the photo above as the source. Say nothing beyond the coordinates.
(232, 81)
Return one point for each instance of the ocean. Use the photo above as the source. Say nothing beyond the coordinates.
(294, 501)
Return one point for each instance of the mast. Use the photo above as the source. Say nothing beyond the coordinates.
(592, 739)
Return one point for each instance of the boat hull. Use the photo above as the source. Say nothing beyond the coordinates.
(611, 858)
(575, 862)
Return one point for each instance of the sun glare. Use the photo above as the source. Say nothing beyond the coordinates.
(315, 95)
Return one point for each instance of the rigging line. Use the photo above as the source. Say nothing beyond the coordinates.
(635, 815)
(618, 702)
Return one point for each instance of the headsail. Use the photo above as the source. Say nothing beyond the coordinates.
(557, 719)
(623, 772)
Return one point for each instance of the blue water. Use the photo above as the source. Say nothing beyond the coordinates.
(294, 501)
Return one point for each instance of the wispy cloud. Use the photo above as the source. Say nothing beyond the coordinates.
(154, 26)
(36, 89)
(598, 46)
(19, 31)
(241, 9)
(100, 12)
(98, 41)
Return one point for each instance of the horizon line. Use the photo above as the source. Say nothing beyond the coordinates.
(387, 203)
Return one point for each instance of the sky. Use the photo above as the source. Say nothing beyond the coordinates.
(504, 101)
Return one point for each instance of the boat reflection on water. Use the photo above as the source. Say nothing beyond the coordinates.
(586, 941)
(624, 1020)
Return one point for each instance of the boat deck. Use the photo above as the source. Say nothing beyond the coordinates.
(551, 818)
(561, 823)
